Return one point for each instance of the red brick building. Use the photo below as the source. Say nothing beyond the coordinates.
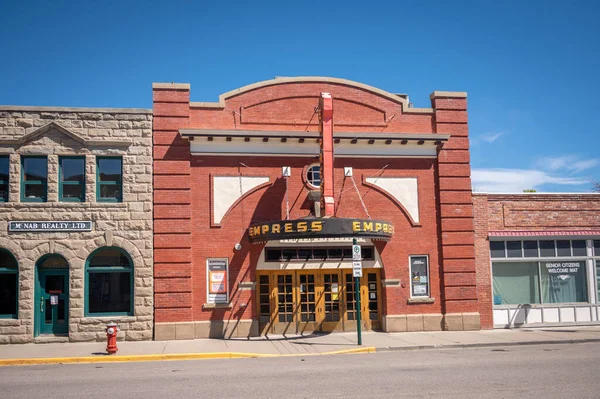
(242, 246)
(538, 259)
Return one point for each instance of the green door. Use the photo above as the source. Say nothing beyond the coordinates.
(52, 302)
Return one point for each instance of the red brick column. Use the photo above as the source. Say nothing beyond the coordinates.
(482, 257)
(172, 212)
(459, 283)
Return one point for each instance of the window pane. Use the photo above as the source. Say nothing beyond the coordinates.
(367, 253)
(563, 247)
(272, 255)
(563, 282)
(35, 169)
(110, 190)
(4, 169)
(578, 247)
(7, 260)
(334, 253)
(109, 257)
(547, 248)
(313, 175)
(3, 192)
(497, 249)
(72, 191)
(419, 277)
(513, 249)
(304, 253)
(35, 191)
(109, 169)
(8, 294)
(347, 253)
(597, 247)
(289, 254)
(515, 283)
(109, 292)
(530, 249)
(73, 169)
(319, 253)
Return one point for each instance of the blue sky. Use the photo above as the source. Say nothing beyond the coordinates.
(531, 68)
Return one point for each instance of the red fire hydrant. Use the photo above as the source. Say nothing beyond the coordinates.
(111, 338)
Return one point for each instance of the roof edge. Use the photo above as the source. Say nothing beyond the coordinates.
(171, 86)
(28, 108)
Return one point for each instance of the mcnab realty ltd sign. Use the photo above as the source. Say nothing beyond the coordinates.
(50, 226)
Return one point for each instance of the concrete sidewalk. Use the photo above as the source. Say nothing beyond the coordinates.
(290, 345)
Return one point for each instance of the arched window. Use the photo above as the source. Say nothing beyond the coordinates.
(313, 175)
(9, 283)
(109, 283)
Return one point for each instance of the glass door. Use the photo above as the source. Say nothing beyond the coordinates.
(332, 298)
(52, 302)
(309, 296)
(284, 322)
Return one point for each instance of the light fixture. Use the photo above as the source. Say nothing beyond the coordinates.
(237, 246)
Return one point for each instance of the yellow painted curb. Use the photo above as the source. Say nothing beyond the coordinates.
(176, 356)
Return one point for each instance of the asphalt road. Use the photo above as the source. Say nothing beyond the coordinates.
(553, 371)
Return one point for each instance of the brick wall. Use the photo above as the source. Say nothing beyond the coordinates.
(290, 106)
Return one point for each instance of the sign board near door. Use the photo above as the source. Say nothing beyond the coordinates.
(217, 279)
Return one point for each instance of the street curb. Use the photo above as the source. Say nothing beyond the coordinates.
(175, 356)
(487, 344)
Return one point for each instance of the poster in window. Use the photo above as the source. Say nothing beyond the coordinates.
(217, 279)
(419, 270)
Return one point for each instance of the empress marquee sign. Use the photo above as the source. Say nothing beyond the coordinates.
(49, 226)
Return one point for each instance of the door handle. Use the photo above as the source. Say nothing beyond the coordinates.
(42, 305)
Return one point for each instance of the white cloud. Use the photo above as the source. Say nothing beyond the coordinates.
(491, 137)
(517, 180)
(566, 163)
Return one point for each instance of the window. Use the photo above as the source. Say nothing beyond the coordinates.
(9, 282)
(315, 254)
(313, 175)
(34, 179)
(515, 283)
(109, 178)
(109, 283)
(419, 276)
(563, 282)
(497, 249)
(513, 249)
(4, 176)
(71, 177)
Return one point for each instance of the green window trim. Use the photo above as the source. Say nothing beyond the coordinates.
(107, 183)
(24, 183)
(62, 183)
(13, 271)
(108, 269)
(5, 183)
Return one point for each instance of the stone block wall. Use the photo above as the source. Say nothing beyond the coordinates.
(88, 132)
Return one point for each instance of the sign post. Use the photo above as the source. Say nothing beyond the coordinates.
(357, 273)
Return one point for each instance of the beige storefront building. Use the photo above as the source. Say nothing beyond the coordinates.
(75, 223)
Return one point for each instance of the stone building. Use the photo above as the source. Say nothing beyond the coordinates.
(75, 223)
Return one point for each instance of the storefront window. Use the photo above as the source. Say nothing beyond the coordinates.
(109, 285)
(9, 281)
(515, 283)
(34, 179)
(563, 282)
